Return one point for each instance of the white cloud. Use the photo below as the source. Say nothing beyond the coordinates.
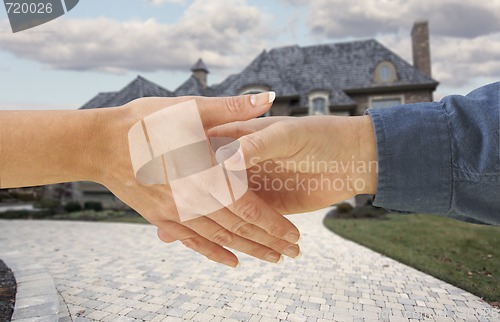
(160, 2)
(456, 18)
(226, 34)
(456, 62)
(465, 34)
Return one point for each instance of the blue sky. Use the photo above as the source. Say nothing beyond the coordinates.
(102, 45)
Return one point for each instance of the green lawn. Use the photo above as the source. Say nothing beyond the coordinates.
(462, 254)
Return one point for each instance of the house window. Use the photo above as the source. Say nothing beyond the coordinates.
(381, 102)
(318, 103)
(319, 106)
(385, 72)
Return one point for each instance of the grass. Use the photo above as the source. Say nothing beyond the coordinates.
(462, 254)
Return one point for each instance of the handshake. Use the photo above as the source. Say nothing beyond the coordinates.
(208, 173)
(204, 171)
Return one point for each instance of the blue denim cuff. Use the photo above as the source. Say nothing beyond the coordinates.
(414, 154)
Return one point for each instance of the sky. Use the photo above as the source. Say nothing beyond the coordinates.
(102, 45)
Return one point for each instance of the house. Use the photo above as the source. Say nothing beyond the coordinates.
(334, 79)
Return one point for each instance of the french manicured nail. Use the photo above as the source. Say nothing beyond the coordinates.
(274, 257)
(292, 251)
(262, 98)
(272, 97)
(292, 237)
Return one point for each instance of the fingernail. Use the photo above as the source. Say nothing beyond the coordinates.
(230, 262)
(252, 100)
(262, 98)
(228, 152)
(292, 237)
(272, 96)
(273, 257)
(237, 266)
(280, 261)
(292, 251)
(299, 255)
(300, 240)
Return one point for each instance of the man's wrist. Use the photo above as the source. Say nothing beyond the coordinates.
(367, 154)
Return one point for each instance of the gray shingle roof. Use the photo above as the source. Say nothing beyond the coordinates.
(99, 100)
(337, 68)
(290, 71)
(139, 87)
(200, 65)
(192, 87)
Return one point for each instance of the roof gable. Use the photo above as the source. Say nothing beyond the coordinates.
(100, 100)
(139, 87)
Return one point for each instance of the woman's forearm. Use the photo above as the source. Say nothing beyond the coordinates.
(45, 147)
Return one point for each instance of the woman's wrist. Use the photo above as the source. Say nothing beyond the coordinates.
(108, 144)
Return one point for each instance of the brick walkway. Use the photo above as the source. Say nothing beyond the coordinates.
(121, 272)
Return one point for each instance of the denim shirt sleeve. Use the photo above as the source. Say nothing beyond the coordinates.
(441, 157)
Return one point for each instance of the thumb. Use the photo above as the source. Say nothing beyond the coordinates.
(266, 144)
(216, 111)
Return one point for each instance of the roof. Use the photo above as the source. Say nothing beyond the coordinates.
(193, 87)
(292, 71)
(99, 100)
(139, 87)
(337, 68)
(200, 65)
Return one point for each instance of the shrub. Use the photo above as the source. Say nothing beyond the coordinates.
(73, 206)
(344, 207)
(25, 214)
(93, 205)
(363, 212)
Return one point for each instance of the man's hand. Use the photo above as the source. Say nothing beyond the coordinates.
(249, 225)
(302, 164)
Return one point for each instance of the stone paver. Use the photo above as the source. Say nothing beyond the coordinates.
(36, 294)
(122, 272)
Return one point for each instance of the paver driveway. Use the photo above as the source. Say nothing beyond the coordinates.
(122, 272)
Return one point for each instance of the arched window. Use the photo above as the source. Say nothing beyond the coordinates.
(385, 72)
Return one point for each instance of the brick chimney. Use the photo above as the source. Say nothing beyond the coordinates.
(200, 72)
(421, 47)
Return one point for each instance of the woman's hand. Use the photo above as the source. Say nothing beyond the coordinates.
(251, 226)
